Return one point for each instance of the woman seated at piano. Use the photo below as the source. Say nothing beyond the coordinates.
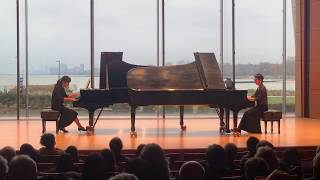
(250, 121)
(59, 96)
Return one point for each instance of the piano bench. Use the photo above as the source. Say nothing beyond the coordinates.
(271, 116)
(49, 115)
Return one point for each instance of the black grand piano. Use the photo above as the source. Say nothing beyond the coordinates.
(196, 83)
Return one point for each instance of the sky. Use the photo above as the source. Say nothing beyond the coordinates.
(60, 30)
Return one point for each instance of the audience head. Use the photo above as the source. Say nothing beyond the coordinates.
(291, 157)
(191, 170)
(255, 167)
(316, 166)
(252, 144)
(3, 168)
(27, 149)
(8, 153)
(124, 176)
(108, 160)
(22, 167)
(48, 140)
(93, 168)
(65, 163)
(269, 156)
(139, 148)
(230, 150)
(139, 168)
(215, 156)
(264, 143)
(73, 151)
(115, 145)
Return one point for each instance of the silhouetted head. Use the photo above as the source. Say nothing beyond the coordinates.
(73, 151)
(269, 156)
(108, 160)
(255, 167)
(93, 168)
(64, 81)
(48, 140)
(139, 148)
(252, 144)
(264, 143)
(116, 146)
(27, 149)
(8, 153)
(65, 163)
(191, 170)
(230, 150)
(216, 156)
(124, 176)
(22, 167)
(3, 168)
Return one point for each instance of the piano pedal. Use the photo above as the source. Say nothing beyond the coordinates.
(133, 134)
(90, 128)
(183, 128)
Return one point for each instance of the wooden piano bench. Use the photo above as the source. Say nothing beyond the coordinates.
(49, 115)
(272, 116)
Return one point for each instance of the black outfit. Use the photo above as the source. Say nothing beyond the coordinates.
(250, 121)
(67, 115)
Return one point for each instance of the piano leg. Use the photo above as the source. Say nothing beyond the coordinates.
(183, 127)
(228, 120)
(91, 116)
(220, 112)
(133, 132)
(236, 131)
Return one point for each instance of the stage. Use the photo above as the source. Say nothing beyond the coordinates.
(200, 133)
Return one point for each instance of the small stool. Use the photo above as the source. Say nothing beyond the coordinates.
(271, 116)
(50, 115)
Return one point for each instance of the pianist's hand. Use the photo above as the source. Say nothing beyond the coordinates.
(250, 98)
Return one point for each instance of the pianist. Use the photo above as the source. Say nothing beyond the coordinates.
(59, 96)
(250, 121)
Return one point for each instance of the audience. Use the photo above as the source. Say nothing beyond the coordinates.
(255, 167)
(156, 161)
(108, 160)
(315, 167)
(27, 149)
(93, 168)
(230, 155)
(65, 164)
(139, 168)
(269, 156)
(191, 170)
(139, 148)
(252, 148)
(264, 143)
(73, 151)
(215, 162)
(116, 146)
(22, 167)
(124, 176)
(3, 168)
(49, 142)
(290, 162)
(8, 153)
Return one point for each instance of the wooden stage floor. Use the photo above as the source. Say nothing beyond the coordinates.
(200, 133)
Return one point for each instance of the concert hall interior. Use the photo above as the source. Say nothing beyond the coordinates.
(160, 89)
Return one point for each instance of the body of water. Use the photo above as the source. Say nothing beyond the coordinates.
(79, 81)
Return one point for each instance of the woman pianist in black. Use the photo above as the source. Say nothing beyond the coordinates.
(59, 96)
(250, 121)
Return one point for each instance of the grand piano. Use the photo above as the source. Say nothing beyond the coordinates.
(196, 83)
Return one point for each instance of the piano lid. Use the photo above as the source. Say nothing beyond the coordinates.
(204, 73)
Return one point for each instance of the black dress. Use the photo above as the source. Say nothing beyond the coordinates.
(67, 115)
(250, 120)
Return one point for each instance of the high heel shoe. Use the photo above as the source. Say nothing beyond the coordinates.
(81, 129)
(63, 130)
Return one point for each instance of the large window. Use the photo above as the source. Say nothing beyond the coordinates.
(8, 59)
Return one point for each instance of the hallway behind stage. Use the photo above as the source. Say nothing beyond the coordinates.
(200, 133)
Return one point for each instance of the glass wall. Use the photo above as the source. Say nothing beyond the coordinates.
(59, 38)
(8, 59)
(259, 46)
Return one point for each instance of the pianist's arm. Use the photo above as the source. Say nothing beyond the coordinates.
(74, 95)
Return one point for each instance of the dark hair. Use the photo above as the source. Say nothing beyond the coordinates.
(73, 151)
(108, 160)
(8, 153)
(269, 156)
(115, 145)
(191, 170)
(252, 144)
(22, 167)
(139, 148)
(264, 143)
(27, 149)
(255, 167)
(48, 140)
(215, 156)
(63, 79)
(93, 168)
(259, 77)
(230, 150)
(65, 163)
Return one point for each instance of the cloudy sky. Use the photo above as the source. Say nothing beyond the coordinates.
(60, 30)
